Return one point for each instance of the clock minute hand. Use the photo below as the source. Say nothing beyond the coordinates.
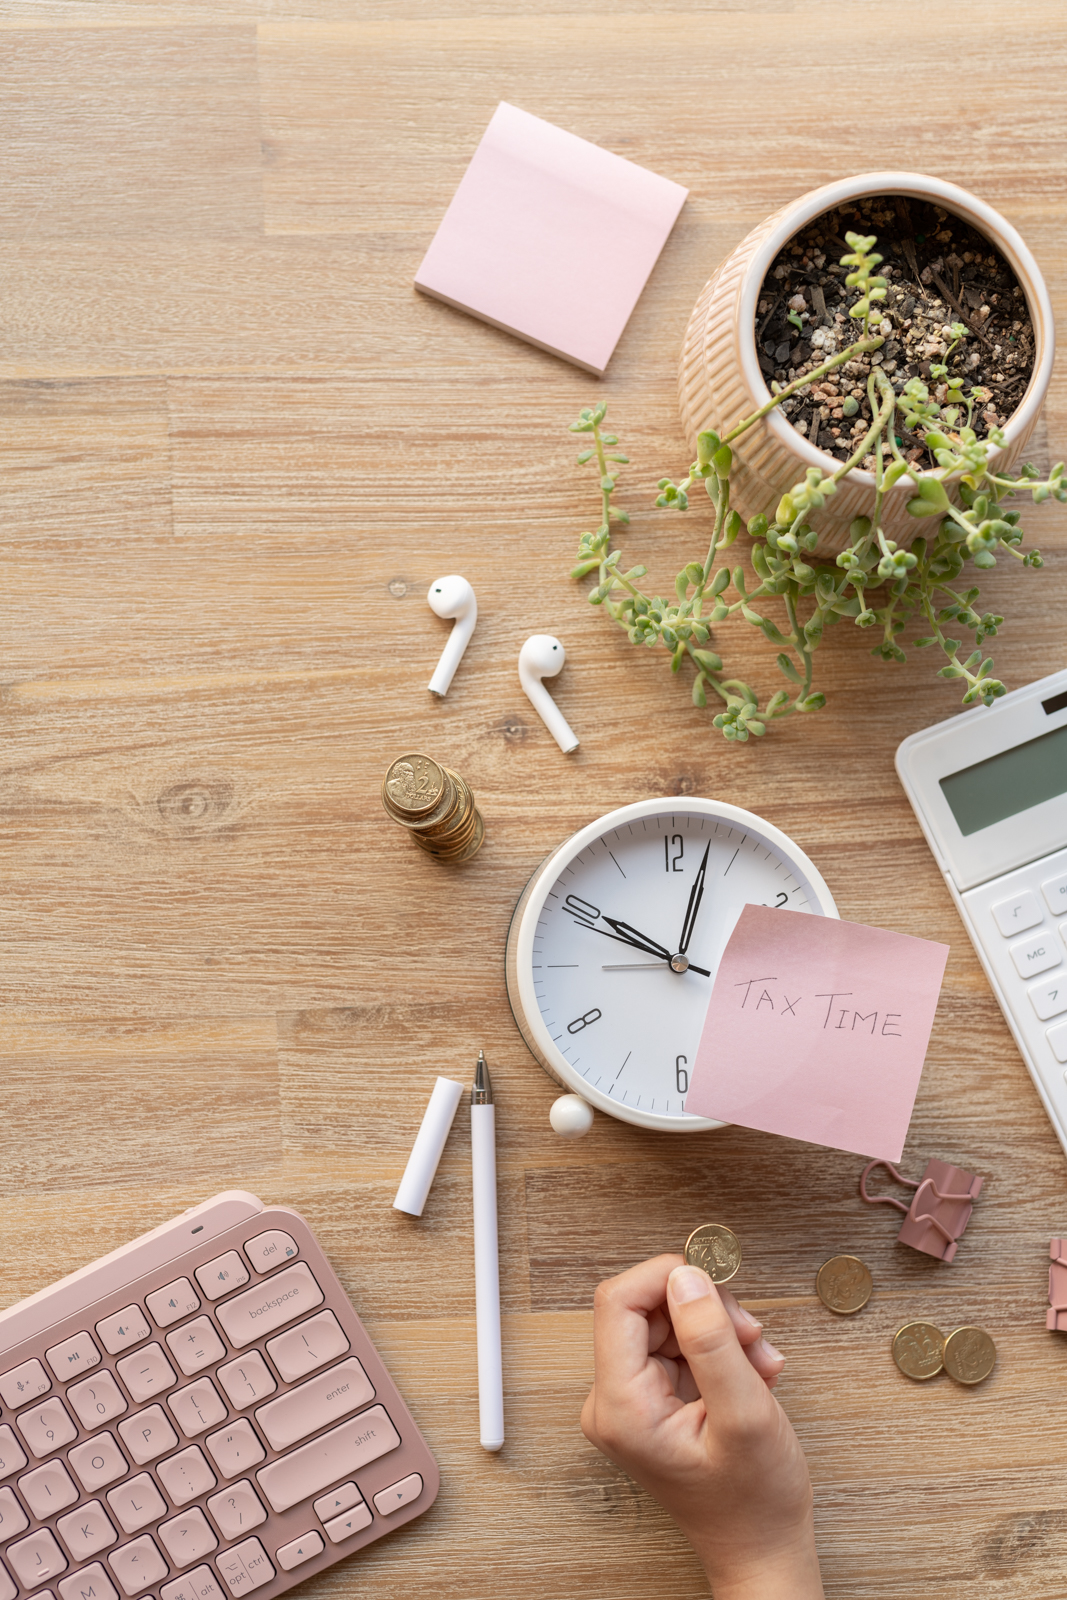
(696, 894)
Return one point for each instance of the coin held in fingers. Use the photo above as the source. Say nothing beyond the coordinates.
(918, 1350)
(715, 1250)
(844, 1284)
(970, 1355)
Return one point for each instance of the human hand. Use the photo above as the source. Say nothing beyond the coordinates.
(682, 1401)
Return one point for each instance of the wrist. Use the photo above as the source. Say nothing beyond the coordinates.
(783, 1569)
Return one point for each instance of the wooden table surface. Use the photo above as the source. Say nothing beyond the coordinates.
(237, 447)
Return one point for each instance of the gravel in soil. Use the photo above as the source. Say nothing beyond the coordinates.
(940, 271)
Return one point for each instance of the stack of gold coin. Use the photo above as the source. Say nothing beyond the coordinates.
(435, 805)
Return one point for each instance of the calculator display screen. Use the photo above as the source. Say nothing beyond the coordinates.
(1007, 783)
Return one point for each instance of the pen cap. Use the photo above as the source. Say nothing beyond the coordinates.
(429, 1143)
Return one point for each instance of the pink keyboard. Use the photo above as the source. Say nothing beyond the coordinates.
(198, 1415)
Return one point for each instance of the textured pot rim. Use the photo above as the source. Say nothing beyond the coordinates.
(920, 187)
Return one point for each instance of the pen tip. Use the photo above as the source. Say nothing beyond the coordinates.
(482, 1092)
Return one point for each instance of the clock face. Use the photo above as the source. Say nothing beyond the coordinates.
(614, 947)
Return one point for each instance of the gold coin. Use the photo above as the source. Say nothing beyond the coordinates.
(970, 1355)
(844, 1284)
(414, 784)
(918, 1350)
(438, 817)
(715, 1250)
(457, 850)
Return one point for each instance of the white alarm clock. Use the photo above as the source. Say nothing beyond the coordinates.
(616, 939)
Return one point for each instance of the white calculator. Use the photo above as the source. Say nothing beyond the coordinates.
(990, 791)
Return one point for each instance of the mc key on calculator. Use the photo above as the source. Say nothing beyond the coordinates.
(196, 1416)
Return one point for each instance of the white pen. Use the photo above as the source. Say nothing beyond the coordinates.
(486, 1260)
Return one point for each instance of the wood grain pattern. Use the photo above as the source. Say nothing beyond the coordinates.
(236, 447)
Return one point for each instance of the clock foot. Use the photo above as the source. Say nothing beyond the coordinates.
(571, 1116)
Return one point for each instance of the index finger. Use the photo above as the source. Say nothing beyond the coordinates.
(621, 1310)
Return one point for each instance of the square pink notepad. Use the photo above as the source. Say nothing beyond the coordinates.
(817, 1029)
(550, 237)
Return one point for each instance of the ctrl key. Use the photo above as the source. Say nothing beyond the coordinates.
(297, 1551)
(245, 1567)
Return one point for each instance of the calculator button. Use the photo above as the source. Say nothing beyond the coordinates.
(1055, 893)
(266, 1250)
(47, 1489)
(269, 1305)
(200, 1584)
(196, 1345)
(137, 1502)
(148, 1435)
(186, 1475)
(24, 1383)
(302, 1349)
(224, 1273)
(137, 1565)
(297, 1551)
(245, 1567)
(354, 1521)
(97, 1462)
(1057, 1038)
(336, 1501)
(1050, 998)
(123, 1330)
(322, 1400)
(36, 1559)
(1022, 911)
(12, 1455)
(97, 1400)
(236, 1449)
(147, 1373)
(247, 1380)
(1037, 954)
(398, 1494)
(311, 1468)
(91, 1583)
(237, 1510)
(12, 1517)
(187, 1537)
(73, 1356)
(86, 1530)
(46, 1427)
(175, 1300)
(197, 1407)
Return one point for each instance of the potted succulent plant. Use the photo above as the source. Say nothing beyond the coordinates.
(883, 405)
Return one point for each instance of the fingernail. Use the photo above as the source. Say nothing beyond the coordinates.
(688, 1283)
(752, 1321)
(768, 1349)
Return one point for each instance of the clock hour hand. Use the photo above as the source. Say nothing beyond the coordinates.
(640, 941)
(696, 894)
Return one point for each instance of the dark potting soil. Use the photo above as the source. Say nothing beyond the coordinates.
(939, 271)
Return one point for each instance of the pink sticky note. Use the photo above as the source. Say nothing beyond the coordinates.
(550, 237)
(817, 1029)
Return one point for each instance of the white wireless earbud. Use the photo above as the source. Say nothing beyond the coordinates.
(542, 657)
(452, 597)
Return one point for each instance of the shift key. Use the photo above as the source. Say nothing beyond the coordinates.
(260, 1310)
(328, 1459)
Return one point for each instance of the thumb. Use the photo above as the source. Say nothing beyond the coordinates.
(707, 1338)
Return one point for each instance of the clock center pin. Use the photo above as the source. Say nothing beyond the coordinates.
(679, 963)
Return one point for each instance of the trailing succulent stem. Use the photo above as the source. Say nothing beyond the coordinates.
(873, 582)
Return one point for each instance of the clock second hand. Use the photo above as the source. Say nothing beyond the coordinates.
(627, 935)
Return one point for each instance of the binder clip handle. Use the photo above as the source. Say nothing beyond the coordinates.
(884, 1199)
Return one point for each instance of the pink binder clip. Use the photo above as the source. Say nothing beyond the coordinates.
(940, 1207)
(1056, 1321)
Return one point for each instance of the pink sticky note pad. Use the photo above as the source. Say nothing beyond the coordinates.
(550, 237)
(817, 1029)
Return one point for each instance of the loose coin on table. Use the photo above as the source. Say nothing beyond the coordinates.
(844, 1284)
(715, 1250)
(918, 1350)
(970, 1355)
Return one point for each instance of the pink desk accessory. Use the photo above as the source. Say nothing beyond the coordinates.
(817, 1029)
(1056, 1321)
(550, 237)
(940, 1207)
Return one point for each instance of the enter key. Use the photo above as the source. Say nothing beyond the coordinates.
(323, 1399)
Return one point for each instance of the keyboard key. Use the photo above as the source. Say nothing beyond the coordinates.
(1057, 1038)
(1022, 911)
(1036, 954)
(98, 1461)
(237, 1510)
(12, 1455)
(148, 1434)
(86, 1530)
(269, 1305)
(9, 1590)
(91, 1583)
(36, 1558)
(147, 1373)
(398, 1494)
(12, 1517)
(327, 1398)
(301, 1350)
(72, 1356)
(23, 1383)
(47, 1489)
(45, 1428)
(336, 1501)
(187, 1537)
(178, 1299)
(247, 1380)
(1055, 893)
(245, 1567)
(97, 1400)
(125, 1329)
(137, 1565)
(186, 1475)
(137, 1502)
(218, 1277)
(197, 1407)
(1050, 998)
(266, 1250)
(200, 1584)
(235, 1449)
(341, 1528)
(196, 1345)
(297, 1551)
(313, 1467)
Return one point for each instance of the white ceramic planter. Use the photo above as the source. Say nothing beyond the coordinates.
(720, 381)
